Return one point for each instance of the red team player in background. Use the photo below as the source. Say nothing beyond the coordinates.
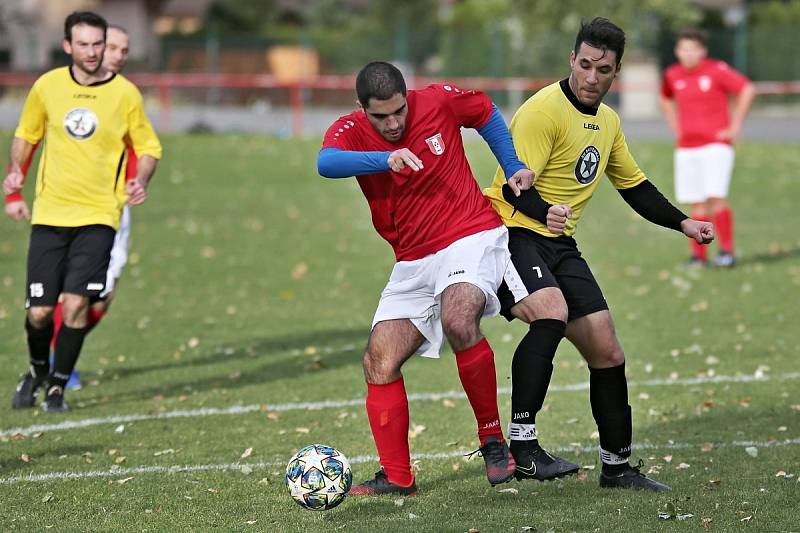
(694, 99)
(114, 59)
(406, 150)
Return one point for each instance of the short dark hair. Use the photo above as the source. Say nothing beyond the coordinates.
(83, 17)
(603, 34)
(693, 34)
(379, 80)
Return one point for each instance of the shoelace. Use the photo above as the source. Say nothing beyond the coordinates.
(492, 450)
(638, 467)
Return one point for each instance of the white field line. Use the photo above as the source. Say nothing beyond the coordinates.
(359, 459)
(335, 404)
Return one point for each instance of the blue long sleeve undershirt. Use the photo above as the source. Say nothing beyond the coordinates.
(496, 134)
(336, 163)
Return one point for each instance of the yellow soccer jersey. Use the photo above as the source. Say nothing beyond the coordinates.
(568, 145)
(81, 178)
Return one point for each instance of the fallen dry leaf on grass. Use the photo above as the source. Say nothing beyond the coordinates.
(247, 453)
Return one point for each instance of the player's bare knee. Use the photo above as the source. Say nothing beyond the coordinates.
(40, 316)
(461, 332)
(609, 358)
(548, 303)
(378, 368)
(74, 310)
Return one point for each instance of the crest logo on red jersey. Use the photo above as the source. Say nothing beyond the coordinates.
(705, 83)
(436, 144)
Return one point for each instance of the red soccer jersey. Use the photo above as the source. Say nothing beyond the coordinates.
(701, 95)
(420, 213)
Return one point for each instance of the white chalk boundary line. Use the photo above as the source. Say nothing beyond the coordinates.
(335, 404)
(360, 459)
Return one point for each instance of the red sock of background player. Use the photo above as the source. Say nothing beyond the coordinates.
(723, 220)
(93, 317)
(57, 321)
(387, 410)
(699, 251)
(478, 377)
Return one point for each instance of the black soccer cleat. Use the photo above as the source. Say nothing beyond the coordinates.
(381, 485)
(533, 462)
(499, 461)
(27, 390)
(632, 478)
(54, 400)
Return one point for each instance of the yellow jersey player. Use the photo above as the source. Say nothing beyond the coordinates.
(87, 114)
(569, 138)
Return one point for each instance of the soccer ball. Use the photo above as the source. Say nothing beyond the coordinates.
(318, 477)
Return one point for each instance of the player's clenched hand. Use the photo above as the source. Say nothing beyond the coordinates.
(18, 210)
(137, 193)
(13, 182)
(521, 181)
(557, 217)
(702, 232)
(402, 158)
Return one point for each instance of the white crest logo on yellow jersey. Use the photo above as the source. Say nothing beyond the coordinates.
(80, 123)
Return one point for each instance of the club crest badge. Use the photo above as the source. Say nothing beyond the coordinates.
(80, 123)
(705, 83)
(436, 144)
(588, 163)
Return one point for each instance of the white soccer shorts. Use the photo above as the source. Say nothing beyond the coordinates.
(119, 252)
(703, 172)
(414, 290)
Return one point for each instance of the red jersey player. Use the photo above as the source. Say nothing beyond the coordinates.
(694, 99)
(406, 150)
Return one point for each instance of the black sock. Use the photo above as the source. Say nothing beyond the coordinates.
(531, 370)
(39, 347)
(608, 394)
(68, 347)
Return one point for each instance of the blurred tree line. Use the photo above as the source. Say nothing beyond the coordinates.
(530, 38)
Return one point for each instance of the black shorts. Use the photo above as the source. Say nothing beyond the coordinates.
(73, 260)
(551, 262)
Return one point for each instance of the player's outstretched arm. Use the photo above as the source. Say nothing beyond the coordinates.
(495, 133)
(648, 201)
(137, 187)
(337, 163)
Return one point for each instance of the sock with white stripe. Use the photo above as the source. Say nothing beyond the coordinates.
(608, 394)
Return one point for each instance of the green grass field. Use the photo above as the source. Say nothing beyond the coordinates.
(250, 290)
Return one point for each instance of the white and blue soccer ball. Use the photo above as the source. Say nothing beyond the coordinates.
(318, 477)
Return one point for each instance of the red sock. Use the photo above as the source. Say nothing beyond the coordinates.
(93, 317)
(387, 410)
(57, 321)
(699, 250)
(478, 377)
(723, 220)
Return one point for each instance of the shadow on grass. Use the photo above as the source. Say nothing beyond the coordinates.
(770, 256)
(282, 357)
(54, 450)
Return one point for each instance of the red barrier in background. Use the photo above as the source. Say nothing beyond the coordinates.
(164, 83)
